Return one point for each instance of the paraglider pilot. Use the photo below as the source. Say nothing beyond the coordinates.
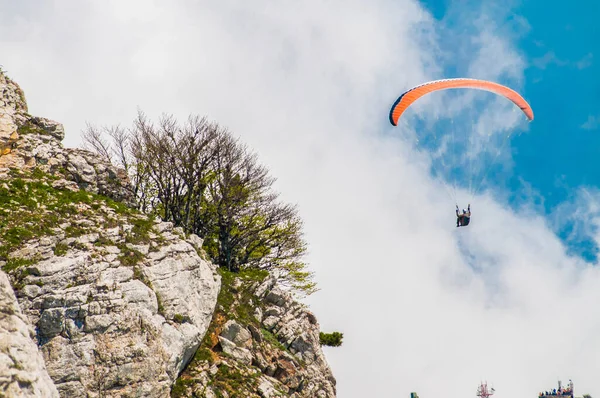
(462, 220)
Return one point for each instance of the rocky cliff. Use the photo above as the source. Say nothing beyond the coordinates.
(261, 343)
(98, 300)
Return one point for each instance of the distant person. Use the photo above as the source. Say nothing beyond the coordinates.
(462, 220)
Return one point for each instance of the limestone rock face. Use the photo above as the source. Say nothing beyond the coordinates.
(304, 370)
(108, 326)
(28, 142)
(22, 369)
(96, 299)
(12, 98)
(12, 110)
(275, 352)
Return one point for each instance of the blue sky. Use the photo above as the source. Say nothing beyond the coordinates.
(559, 45)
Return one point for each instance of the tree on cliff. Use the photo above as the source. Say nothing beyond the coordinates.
(201, 178)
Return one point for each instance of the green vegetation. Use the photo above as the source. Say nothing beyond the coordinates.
(272, 339)
(129, 257)
(234, 382)
(139, 275)
(30, 208)
(103, 241)
(16, 263)
(204, 354)
(30, 128)
(161, 308)
(181, 384)
(17, 268)
(201, 178)
(60, 249)
(331, 339)
(234, 302)
(229, 380)
(238, 300)
(140, 233)
(180, 318)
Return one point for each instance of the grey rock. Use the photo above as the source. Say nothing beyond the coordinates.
(51, 322)
(237, 334)
(277, 297)
(23, 372)
(241, 354)
(267, 390)
(256, 335)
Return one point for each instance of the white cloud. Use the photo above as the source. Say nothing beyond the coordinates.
(549, 58)
(579, 218)
(585, 62)
(591, 123)
(424, 306)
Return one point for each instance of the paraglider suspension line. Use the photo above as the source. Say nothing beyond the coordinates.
(490, 166)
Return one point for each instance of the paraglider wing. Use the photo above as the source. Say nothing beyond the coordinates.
(410, 96)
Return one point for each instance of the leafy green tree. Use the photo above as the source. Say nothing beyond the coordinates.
(248, 226)
(331, 339)
(201, 178)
